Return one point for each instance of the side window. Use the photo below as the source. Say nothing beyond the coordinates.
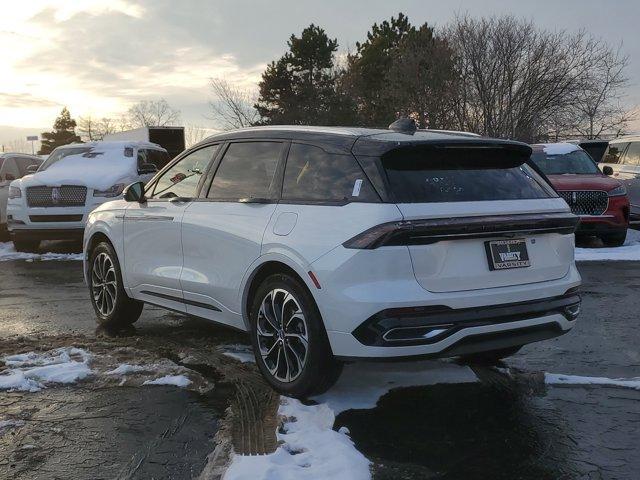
(9, 170)
(632, 157)
(246, 170)
(24, 163)
(614, 153)
(155, 157)
(314, 175)
(182, 179)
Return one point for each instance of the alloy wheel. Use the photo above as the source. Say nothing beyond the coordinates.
(282, 335)
(104, 284)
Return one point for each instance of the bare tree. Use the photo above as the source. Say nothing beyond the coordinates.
(232, 107)
(91, 130)
(148, 113)
(194, 134)
(598, 106)
(516, 80)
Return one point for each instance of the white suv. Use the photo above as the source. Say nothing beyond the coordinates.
(53, 203)
(333, 244)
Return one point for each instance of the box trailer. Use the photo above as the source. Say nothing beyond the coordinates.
(169, 138)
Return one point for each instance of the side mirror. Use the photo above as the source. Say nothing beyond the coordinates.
(607, 170)
(135, 193)
(32, 169)
(146, 168)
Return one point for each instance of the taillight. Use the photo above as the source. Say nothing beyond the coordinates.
(428, 231)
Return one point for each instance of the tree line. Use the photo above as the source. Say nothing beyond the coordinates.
(144, 113)
(499, 76)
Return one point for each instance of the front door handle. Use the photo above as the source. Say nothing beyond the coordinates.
(179, 200)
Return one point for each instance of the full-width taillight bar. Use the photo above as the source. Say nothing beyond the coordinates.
(427, 231)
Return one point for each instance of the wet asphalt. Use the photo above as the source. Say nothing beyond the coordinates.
(456, 431)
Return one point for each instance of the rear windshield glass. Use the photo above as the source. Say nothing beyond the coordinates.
(576, 162)
(461, 175)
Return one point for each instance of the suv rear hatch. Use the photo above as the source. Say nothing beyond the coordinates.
(475, 216)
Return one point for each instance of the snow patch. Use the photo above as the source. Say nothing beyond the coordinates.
(242, 353)
(362, 384)
(32, 371)
(177, 380)
(311, 449)
(8, 252)
(560, 379)
(559, 148)
(629, 251)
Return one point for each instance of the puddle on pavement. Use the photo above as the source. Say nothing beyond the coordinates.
(80, 433)
(478, 431)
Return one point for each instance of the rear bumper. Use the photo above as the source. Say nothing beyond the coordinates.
(465, 340)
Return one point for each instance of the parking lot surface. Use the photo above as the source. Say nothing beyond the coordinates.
(511, 424)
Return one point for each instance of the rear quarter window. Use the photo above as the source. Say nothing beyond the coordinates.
(614, 152)
(313, 175)
(461, 175)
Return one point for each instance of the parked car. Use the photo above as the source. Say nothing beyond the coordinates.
(599, 200)
(623, 156)
(12, 167)
(54, 202)
(596, 148)
(334, 244)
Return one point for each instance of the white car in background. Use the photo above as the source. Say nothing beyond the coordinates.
(12, 167)
(54, 202)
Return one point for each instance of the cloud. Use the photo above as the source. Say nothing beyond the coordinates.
(24, 100)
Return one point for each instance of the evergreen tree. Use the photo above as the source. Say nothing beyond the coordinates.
(368, 71)
(300, 87)
(64, 132)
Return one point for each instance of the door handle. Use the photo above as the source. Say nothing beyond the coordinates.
(179, 200)
(254, 200)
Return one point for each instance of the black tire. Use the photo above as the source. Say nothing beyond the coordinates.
(319, 370)
(490, 357)
(614, 239)
(117, 312)
(27, 246)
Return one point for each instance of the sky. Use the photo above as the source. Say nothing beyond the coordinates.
(97, 57)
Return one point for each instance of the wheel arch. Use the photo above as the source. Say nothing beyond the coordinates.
(264, 269)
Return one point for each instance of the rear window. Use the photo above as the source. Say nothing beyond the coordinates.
(429, 175)
(614, 152)
(576, 162)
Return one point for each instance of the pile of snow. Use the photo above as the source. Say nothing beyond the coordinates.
(7, 424)
(311, 449)
(560, 379)
(8, 252)
(561, 148)
(177, 380)
(629, 251)
(32, 371)
(237, 351)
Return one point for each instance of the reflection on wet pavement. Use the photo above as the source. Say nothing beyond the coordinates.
(500, 431)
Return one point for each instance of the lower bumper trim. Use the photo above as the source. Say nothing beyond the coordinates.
(48, 234)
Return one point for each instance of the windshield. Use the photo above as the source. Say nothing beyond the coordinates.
(577, 162)
(461, 175)
(58, 155)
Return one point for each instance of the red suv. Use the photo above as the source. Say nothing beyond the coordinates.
(600, 201)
